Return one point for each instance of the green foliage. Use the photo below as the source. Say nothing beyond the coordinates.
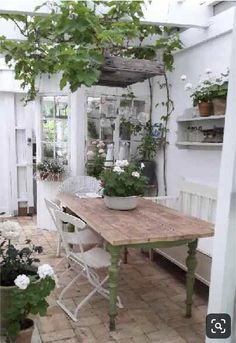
(15, 261)
(49, 168)
(73, 39)
(149, 144)
(129, 127)
(28, 301)
(96, 159)
(123, 184)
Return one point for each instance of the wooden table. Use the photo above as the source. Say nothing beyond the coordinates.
(148, 226)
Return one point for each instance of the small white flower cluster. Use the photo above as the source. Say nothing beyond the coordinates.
(119, 165)
(206, 80)
(136, 174)
(22, 281)
(10, 230)
(100, 145)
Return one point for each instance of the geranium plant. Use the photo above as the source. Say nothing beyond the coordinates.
(123, 180)
(208, 88)
(50, 170)
(33, 284)
(96, 159)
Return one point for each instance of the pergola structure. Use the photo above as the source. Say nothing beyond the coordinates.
(223, 276)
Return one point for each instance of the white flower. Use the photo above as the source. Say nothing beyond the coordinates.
(66, 36)
(100, 144)
(101, 151)
(188, 86)
(94, 142)
(90, 153)
(22, 281)
(45, 270)
(121, 163)
(183, 77)
(10, 229)
(118, 170)
(104, 155)
(136, 174)
(208, 71)
(142, 165)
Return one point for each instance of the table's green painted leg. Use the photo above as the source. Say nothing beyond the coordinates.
(191, 263)
(115, 252)
(125, 257)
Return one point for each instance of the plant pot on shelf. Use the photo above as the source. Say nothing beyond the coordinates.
(25, 335)
(121, 203)
(219, 106)
(205, 109)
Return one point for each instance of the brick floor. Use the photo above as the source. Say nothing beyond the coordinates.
(153, 295)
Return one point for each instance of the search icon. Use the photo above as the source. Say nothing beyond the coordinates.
(218, 326)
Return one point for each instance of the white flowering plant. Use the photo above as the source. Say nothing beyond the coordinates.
(208, 88)
(14, 261)
(124, 179)
(50, 170)
(18, 267)
(96, 159)
(29, 297)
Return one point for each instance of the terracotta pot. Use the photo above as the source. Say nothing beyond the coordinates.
(205, 109)
(121, 203)
(219, 106)
(25, 335)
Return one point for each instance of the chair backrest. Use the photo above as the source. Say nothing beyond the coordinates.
(198, 200)
(52, 206)
(67, 237)
(80, 184)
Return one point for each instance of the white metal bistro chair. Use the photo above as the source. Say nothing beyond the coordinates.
(80, 184)
(86, 261)
(88, 237)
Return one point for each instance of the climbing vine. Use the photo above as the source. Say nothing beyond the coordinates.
(73, 38)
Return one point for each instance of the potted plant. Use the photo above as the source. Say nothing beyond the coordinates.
(122, 185)
(23, 285)
(210, 93)
(147, 150)
(50, 170)
(96, 159)
(219, 90)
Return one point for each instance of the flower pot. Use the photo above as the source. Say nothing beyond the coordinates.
(219, 106)
(149, 171)
(121, 203)
(205, 109)
(25, 335)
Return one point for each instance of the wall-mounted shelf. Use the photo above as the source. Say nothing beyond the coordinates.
(200, 132)
(185, 145)
(210, 118)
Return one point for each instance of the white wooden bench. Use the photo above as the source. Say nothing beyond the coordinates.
(198, 201)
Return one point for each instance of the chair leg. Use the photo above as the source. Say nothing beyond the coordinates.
(58, 247)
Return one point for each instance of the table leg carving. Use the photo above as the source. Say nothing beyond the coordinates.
(191, 263)
(115, 252)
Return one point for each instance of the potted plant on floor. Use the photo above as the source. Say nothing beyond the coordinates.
(147, 150)
(122, 185)
(23, 285)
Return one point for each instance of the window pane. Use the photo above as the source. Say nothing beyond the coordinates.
(61, 134)
(48, 107)
(48, 151)
(61, 106)
(61, 152)
(49, 130)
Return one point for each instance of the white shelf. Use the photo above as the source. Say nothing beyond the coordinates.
(199, 144)
(201, 118)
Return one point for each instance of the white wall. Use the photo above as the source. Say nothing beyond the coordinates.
(203, 165)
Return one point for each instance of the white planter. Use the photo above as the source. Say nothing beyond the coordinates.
(121, 203)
